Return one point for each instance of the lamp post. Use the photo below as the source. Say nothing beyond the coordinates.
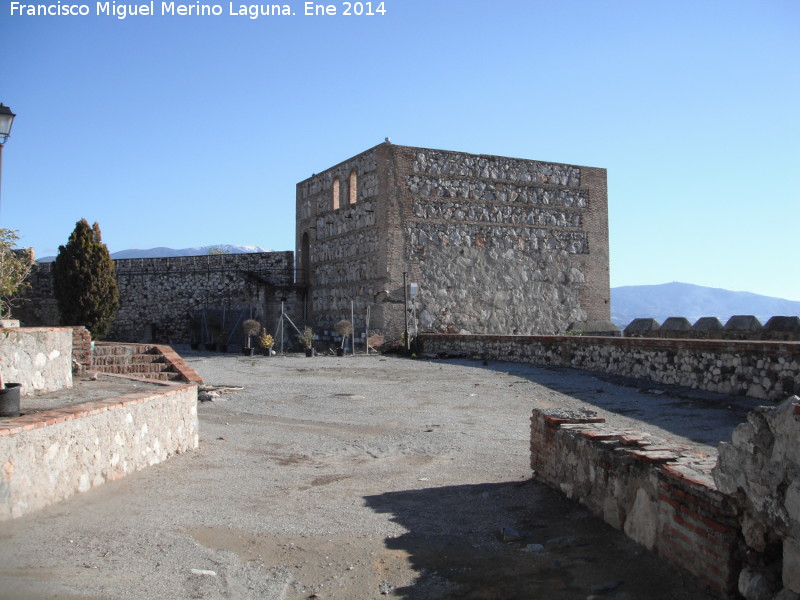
(6, 120)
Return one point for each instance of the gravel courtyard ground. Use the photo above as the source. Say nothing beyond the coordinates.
(358, 478)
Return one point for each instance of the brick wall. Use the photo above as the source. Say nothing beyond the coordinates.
(81, 349)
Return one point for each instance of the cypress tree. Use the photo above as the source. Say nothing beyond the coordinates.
(84, 282)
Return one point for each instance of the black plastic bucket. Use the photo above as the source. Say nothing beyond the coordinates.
(9, 400)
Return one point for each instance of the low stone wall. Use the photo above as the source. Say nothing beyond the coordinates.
(47, 457)
(764, 370)
(660, 494)
(40, 358)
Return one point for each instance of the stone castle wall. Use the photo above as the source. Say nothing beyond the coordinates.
(159, 296)
(495, 244)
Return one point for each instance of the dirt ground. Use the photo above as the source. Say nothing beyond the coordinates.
(358, 478)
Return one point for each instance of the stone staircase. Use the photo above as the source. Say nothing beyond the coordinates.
(144, 361)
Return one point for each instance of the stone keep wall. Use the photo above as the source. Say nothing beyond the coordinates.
(495, 244)
(764, 370)
(502, 245)
(158, 295)
(341, 261)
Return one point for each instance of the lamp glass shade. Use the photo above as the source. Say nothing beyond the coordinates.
(6, 119)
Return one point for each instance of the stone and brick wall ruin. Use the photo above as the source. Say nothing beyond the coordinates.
(732, 519)
(734, 523)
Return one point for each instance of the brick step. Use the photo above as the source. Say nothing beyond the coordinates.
(127, 359)
(163, 376)
(101, 349)
(148, 361)
(128, 369)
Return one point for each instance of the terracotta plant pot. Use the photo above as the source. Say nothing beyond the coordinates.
(9, 400)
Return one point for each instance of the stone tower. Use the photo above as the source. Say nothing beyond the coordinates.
(495, 245)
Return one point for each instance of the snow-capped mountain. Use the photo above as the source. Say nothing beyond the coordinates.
(162, 252)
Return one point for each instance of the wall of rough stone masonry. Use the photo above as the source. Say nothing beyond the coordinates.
(501, 245)
(342, 262)
(495, 244)
(760, 467)
(40, 358)
(660, 494)
(158, 295)
(764, 370)
(49, 456)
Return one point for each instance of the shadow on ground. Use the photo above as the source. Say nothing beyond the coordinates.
(519, 540)
(697, 415)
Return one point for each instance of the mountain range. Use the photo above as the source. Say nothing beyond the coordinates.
(162, 252)
(627, 302)
(693, 301)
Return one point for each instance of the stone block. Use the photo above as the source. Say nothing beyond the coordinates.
(742, 327)
(641, 525)
(782, 328)
(594, 328)
(791, 564)
(676, 327)
(676, 324)
(642, 328)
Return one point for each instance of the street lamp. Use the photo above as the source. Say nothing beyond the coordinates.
(6, 120)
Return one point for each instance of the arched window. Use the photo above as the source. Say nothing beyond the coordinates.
(353, 187)
(336, 194)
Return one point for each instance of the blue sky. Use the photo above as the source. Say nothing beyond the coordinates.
(191, 131)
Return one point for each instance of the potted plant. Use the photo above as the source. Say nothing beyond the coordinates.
(213, 327)
(250, 327)
(343, 328)
(307, 340)
(195, 332)
(222, 339)
(9, 398)
(266, 342)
